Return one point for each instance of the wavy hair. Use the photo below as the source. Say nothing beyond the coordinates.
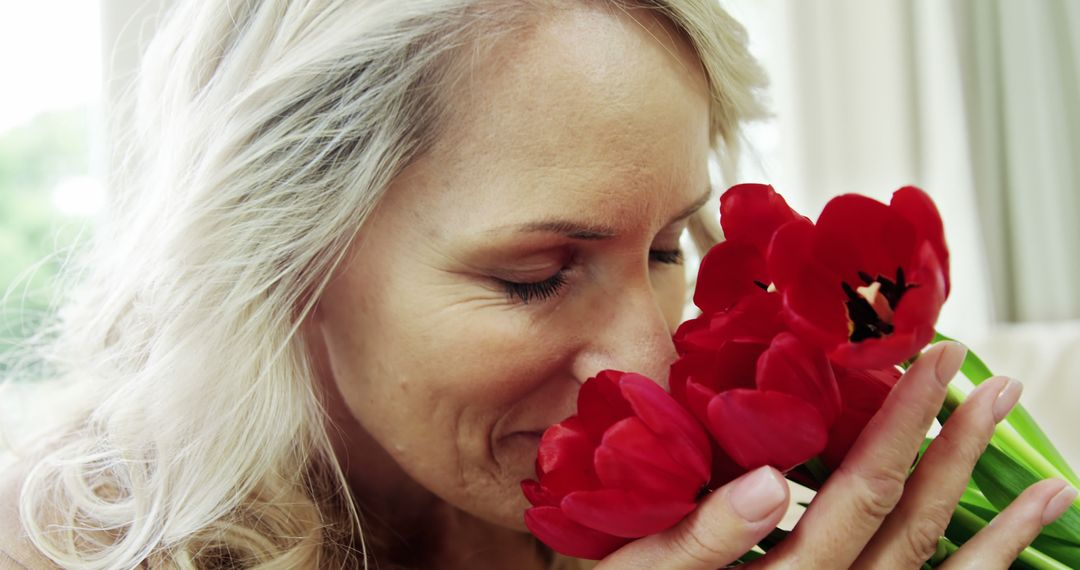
(265, 132)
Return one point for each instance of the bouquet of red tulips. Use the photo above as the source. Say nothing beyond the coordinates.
(805, 328)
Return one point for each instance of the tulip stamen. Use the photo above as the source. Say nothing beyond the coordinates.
(873, 296)
(871, 306)
(770, 288)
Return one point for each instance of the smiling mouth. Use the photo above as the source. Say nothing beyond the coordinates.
(524, 439)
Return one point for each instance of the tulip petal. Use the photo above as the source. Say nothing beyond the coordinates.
(766, 428)
(757, 318)
(793, 367)
(921, 304)
(815, 308)
(888, 350)
(624, 513)
(538, 495)
(750, 213)
(689, 328)
(695, 378)
(916, 207)
(565, 444)
(600, 403)
(684, 368)
(730, 270)
(789, 251)
(567, 537)
(734, 366)
(633, 458)
(698, 398)
(813, 299)
(568, 479)
(724, 468)
(855, 233)
(864, 391)
(686, 440)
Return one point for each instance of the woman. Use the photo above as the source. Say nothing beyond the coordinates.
(372, 250)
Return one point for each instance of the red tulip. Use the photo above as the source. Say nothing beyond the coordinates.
(764, 404)
(631, 463)
(728, 356)
(866, 283)
(735, 268)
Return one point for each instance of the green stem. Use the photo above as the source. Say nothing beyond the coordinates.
(945, 548)
(1026, 429)
(1007, 439)
(1022, 421)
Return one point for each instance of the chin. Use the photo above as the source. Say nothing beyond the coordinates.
(511, 513)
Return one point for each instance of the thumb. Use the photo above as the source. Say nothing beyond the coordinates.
(725, 525)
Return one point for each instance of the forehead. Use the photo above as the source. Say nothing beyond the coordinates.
(591, 112)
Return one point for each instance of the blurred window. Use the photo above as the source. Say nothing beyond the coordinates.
(50, 176)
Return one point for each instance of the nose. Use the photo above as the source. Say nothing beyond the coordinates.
(627, 331)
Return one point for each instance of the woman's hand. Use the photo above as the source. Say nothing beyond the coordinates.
(870, 514)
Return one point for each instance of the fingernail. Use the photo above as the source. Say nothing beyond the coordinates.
(758, 494)
(1007, 398)
(952, 356)
(1058, 505)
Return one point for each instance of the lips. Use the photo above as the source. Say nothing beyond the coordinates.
(531, 438)
(527, 433)
(524, 436)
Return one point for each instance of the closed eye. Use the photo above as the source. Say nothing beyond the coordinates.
(535, 291)
(547, 288)
(672, 256)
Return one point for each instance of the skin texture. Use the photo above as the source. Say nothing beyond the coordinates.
(443, 380)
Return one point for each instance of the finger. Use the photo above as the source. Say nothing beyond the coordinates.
(727, 524)
(909, 535)
(866, 487)
(998, 545)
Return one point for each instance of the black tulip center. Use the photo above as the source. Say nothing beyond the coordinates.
(870, 306)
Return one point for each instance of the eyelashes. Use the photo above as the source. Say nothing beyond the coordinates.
(539, 290)
(671, 256)
(543, 290)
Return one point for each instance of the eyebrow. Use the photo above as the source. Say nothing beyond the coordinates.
(576, 230)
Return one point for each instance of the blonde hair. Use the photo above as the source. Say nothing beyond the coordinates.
(266, 133)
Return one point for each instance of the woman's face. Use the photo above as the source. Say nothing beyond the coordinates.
(535, 245)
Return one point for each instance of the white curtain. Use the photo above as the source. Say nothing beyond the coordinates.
(1022, 84)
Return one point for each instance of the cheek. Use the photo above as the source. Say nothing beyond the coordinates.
(669, 285)
(434, 375)
(439, 384)
(479, 358)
